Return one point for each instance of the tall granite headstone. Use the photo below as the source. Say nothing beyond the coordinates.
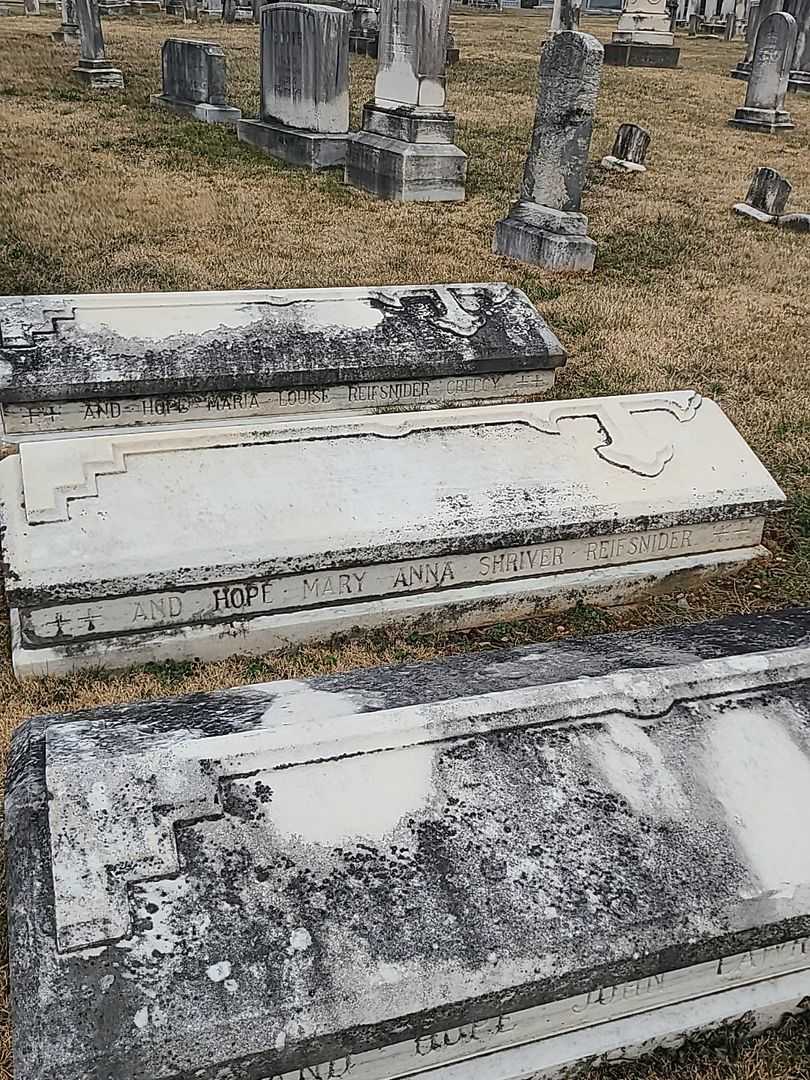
(68, 32)
(94, 68)
(194, 81)
(406, 148)
(304, 85)
(643, 37)
(767, 85)
(545, 226)
(800, 67)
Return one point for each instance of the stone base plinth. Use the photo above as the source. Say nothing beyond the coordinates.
(66, 36)
(541, 236)
(410, 125)
(145, 7)
(620, 165)
(99, 75)
(628, 54)
(197, 110)
(799, 82)
(452, 56)
(746, 210)
(406, 171)
(741, 71)
(364, 45)
(767, 120)
(309, 149)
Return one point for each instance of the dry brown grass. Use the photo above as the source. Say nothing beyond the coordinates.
(102, 193)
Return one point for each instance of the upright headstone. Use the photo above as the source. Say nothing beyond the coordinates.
(767, 85)
(731, 27)
(767, 196)
(757, 13)
(228, 11)
(629, 149)
(365, 30)
(643, 37)
(694, 21)
(406, 148)
(94, 68)
(68, 32)
(194, 81)
(214, 9)
(800, 67)
(545, 227)
(304, 85)
(191, 11)
(31, 7)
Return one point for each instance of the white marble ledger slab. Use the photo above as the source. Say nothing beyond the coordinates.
(91, 361)
(173, 539)
(489, 867)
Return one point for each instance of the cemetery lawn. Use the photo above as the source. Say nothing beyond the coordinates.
(103, 194)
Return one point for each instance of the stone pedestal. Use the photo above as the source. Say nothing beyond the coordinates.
(767, 86)
(643, 37)
(304, 86)
(145, 7)
(405, 150)
(629, 149)
(194, 81)
(99, 74)
(93, 68)
(545, 226)
(68, 32)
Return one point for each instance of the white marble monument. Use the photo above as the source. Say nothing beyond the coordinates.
(406, 150)
(207, 542)
(85, 363)
(304, 85)
(643, 37)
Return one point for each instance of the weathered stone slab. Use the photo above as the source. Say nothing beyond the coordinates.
(767, 196)
(489, 867)
(545, 227)
(768, 82)
(405, 150)
(194, 80)
(76, 363)
(127, 548)
(304, 85)
(629, 149)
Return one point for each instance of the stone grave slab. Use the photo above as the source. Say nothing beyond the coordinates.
(492, 867)
(80, 363)
(194, 81)
(156, 545)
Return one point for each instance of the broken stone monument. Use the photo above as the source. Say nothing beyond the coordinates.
(643, 37)
(767, 196)
(767, 84)
(800, 67)
(304, 85)
(494, 866)
(406, 148)
(194, 81)
(545, 227)
(766, 202)
(629, 149)
(94, 68)
(210, 541)
(88, 363)
(68, 32)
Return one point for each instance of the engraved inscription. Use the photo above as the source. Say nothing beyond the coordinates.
(606, 995)
(761, 960)
(296, 401)
(225, 601)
